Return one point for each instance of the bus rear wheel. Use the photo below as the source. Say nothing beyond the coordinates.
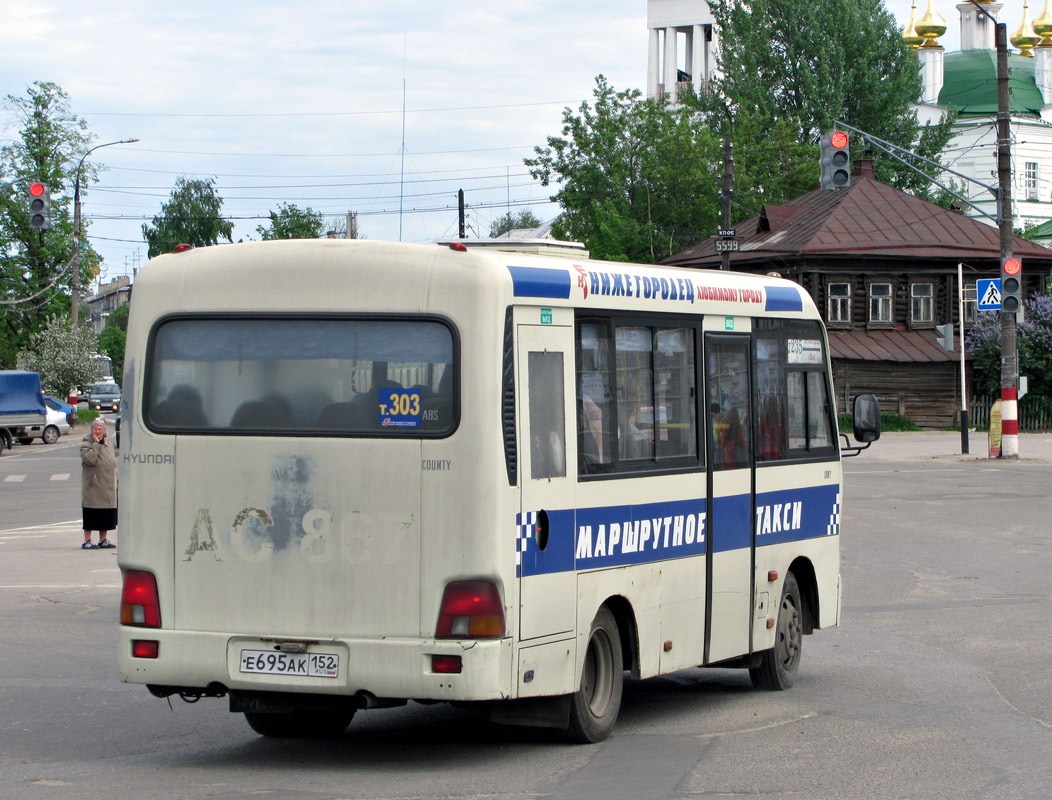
(779, 665)
(312, 724)
(595, 705)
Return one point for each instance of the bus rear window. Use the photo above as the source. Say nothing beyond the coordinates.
(301, 376)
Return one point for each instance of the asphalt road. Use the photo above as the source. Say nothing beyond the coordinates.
(938, 684)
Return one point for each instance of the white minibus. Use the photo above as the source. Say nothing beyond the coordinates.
(355, 474)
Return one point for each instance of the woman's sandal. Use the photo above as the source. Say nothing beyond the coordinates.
(106, 543)
(90, 546)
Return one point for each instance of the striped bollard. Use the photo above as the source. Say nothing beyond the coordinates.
(1009, 422)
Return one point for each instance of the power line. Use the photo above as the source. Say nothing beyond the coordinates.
(297, 114)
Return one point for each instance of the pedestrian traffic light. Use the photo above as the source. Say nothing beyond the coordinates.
(835, 161)
(1011, 285)
(944, 335)
(39, 206)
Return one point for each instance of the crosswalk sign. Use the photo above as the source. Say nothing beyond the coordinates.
(988, 293)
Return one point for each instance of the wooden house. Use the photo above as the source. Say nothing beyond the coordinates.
(882, 267)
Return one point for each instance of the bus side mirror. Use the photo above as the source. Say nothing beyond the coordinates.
(867, 418)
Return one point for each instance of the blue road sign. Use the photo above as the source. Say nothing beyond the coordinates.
(988, 293)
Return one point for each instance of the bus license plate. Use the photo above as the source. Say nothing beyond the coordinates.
(304, 665)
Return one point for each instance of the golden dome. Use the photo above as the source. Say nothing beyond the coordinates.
(909, 33)
(1024, 37)
(931, 26)
(1043, 25)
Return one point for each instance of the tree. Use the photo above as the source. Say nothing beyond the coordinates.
(638, 181)
(61, 356)
(1033, 343)
(513, 221)
(112, 340)
(805, 64)
(35, 265)
(191, 216)
(292, 222)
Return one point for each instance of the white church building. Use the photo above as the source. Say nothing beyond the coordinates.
(966, 82)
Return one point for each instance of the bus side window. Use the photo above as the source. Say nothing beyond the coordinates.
(547, 426)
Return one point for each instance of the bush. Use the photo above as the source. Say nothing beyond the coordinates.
(888, 422)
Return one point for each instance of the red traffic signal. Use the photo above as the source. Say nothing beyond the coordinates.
(39, 206)
(838, 140)
(1012, 266)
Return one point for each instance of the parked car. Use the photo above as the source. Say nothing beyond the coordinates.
(104, 397)
(66, 408)
(57, 425)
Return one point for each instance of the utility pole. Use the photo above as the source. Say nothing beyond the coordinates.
(75, 281)
(1009, 355)
(728, 191)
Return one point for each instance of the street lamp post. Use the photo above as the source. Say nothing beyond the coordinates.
(75, 282)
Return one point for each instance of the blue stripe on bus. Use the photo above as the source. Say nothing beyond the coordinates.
(540, 282)
(783, 298)
(613, 536)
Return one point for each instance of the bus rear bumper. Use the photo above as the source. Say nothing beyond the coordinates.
(391, 668)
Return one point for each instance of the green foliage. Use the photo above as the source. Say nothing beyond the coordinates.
(513, 221)
(1033, 347)
(61, 356)
(35, 266)
(889, 423)
(292, 222)
(803, 64)
(191, 216)
(638, 180)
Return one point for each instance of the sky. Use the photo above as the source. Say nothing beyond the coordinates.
(383, 108)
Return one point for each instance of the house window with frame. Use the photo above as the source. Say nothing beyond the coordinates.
(839, 303)
(970, 309)
(921, 303)
(1031, 179)
(880, 302)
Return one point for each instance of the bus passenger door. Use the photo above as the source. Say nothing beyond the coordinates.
(730, 537)
(547, 479)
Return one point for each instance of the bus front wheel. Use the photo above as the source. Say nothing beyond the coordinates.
(779, 665)
(594, 706)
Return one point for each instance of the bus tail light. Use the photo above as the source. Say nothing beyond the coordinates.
(145, 648)
(470, 610)
(446, 665)
(139, 603)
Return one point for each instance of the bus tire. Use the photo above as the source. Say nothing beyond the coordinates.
(779, 665)
(594, 706)
(307, 724)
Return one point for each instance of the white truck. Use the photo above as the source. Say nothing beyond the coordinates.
(21, 405)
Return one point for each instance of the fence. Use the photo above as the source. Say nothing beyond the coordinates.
(1035, 413)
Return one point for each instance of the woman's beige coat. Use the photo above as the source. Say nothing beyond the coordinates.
(98, 467)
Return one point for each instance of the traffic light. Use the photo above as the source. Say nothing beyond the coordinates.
(944, 336)
(835, 160)
(1011, 285)
(39, 206)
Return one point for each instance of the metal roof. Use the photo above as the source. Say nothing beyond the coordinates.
(890, 345)
(867, 221)
(970, 84)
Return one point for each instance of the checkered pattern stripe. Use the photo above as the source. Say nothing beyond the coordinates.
(833, 528)
(525, 525)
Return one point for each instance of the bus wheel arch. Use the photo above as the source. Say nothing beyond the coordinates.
(626, 625)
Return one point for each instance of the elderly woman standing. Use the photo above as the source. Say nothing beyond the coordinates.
(98, 486)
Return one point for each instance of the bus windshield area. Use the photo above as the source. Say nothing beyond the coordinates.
(303, 376)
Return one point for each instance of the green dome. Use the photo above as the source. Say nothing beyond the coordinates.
(970, 84)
